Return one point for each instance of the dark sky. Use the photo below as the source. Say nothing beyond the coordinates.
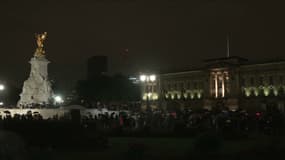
(159, 34)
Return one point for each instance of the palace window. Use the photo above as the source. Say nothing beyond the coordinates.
(261, 81)
(181, 86)
(281, 79)
(169, 86)
(201, 84)
(252, 81)
(242, 81)
(270, 80)
(188, 85)
(195, 85)
(175, 86)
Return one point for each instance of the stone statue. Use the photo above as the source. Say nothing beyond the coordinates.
(40, 38)
(37, 88)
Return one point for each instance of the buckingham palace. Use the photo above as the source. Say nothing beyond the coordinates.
(231, 82)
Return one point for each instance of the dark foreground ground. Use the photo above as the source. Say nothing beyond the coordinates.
(255, 147)
(170, 148)
(73, 141)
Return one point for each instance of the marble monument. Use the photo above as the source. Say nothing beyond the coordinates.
(37, 88)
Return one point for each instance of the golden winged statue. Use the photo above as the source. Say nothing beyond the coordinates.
(40, 38)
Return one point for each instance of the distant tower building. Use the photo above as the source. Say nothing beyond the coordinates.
(97, 66)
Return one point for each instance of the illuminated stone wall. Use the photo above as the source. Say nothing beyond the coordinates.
(188, 85)
(231, 83)
(263, 80)
(150, 90)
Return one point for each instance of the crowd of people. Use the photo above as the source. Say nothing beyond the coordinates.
(170, 122)
(188, 120)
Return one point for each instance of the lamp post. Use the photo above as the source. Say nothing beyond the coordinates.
(147, 79)
(58, 100)
(2, 87)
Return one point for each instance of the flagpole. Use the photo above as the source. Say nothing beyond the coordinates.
(228, 45)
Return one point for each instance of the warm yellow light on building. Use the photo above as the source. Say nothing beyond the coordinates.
(143, 78)
(155, 96)
(178, 96)
(256, 92)
(275, 92)
(199, 95)
(247, 92)
(2, 87)
(185, 95)
(152, 78)
(166, 96)
(266, 91)
(192, 95)
(172, 96)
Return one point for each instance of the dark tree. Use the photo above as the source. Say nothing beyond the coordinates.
(107, 89)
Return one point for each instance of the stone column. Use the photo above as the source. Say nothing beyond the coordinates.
(216, 85)
(223, 85)
(211, 86)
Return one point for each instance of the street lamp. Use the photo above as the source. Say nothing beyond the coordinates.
(152, 78)
(143, 78)
(58, 99)
(146, 79)
(2, 87)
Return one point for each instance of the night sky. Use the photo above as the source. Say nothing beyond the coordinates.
(137, 35)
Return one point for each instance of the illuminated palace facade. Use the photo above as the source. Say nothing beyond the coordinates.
(230, 82)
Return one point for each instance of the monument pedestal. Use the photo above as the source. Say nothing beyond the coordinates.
(37, 88)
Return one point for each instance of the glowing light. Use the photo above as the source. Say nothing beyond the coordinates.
(216, 86)
(2, 87)
(166, 96)
(258, 114)
(1, 103)
(185, 95)
(132, 78)
(256, 92)
(266, 91)
(275, 92)
(58, 99)
(223, 87)
(152, 78)
(178, 96)
(143, 78)
(199, 95)
(247, 92)
(155, 96)
(192, 95)
(172, 96)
